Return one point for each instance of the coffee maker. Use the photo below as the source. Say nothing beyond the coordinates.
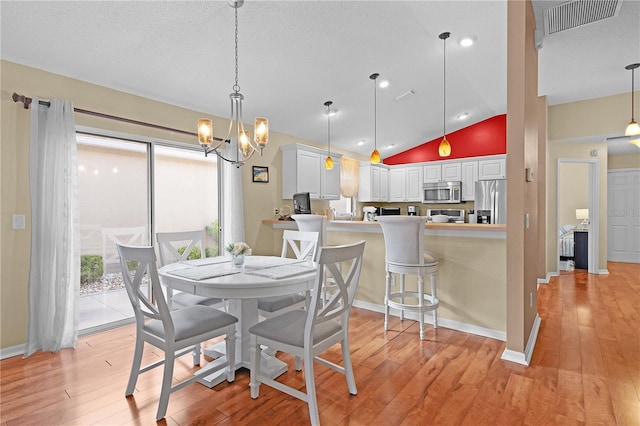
(412, 210)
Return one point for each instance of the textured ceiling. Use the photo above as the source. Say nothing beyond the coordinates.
(295, 55)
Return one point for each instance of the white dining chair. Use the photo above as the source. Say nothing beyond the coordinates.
(308, 333)
(316, 223)
(303, 246)
(174, 332)
(169, 245)
(405, 254)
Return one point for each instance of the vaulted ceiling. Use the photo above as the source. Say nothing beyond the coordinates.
(295, 55)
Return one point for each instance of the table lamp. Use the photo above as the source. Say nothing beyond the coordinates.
(583, 214)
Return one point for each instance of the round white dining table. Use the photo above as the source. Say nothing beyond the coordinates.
(241, 289)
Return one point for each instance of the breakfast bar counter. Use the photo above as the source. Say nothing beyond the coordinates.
(472, 272)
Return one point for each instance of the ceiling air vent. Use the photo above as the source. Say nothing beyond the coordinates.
(576, 13)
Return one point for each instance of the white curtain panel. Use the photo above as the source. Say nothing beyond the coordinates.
(232, 202)
(54, 274)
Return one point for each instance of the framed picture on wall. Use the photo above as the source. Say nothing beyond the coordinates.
(260, 174)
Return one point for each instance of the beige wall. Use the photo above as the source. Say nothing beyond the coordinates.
(573, 192)
(259, 198)
(522, 153)
(631, 161)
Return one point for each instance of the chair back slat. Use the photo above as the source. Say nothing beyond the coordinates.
(170, 242)
(334, 259)
(138, 265)
(303, 244)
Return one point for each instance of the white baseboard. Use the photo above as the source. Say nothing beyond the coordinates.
(603, 272)
(446, 323)
(524, 358)
(11, 351)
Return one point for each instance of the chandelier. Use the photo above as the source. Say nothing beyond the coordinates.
(245, 148)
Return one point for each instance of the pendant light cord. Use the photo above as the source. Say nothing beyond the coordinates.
(632, 88)
(444, 85)
(374, 77)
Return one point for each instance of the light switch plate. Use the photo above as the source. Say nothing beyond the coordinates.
(18, 221)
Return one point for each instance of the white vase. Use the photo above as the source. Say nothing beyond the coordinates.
(237, 260)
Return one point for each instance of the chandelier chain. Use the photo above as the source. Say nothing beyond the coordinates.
(236, 87)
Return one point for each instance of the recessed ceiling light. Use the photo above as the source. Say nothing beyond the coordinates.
(467, 41)
(383, 83)
(390, 146)
(331, 113)
(360, 143)
(462, 116)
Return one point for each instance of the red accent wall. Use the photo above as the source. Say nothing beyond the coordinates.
(488, 137)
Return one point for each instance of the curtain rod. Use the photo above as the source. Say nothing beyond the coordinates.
(27, 101)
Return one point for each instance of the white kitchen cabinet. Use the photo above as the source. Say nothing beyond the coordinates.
(432, 173)
(405, 184)
(469, 177)
(303, 171)
(495, 168)
(373, 183)
(397, 184)
(413, 182)
(442, 172)
(384, 184)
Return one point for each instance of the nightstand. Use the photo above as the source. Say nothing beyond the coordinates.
(581, 249)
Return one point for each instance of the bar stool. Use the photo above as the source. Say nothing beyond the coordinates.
(405, 254)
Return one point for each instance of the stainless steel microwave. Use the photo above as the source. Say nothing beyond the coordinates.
(442, 192)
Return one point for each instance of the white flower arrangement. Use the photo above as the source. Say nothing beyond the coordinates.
(239, 248)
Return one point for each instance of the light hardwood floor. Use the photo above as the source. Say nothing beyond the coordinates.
(585, 369)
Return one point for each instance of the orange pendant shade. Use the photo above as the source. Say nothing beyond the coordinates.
(328, 163)
(444, 149)
(375, 157)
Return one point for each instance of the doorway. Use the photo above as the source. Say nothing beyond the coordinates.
(578, 189)
(623, 215)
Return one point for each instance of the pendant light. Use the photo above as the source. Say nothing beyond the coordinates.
(244, 147)
(444, 149)
(328, 163)
(375, 155)
(633, 129)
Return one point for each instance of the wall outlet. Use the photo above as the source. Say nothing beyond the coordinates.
(275, 212)
(531, 299)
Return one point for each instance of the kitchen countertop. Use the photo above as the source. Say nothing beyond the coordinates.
(476, 230)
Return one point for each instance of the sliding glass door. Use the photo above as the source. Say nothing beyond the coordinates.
(127, 191)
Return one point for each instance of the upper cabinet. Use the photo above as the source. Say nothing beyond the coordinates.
(374, 182)
(442, 172)
(405, 184)
(495, 168)
(303, 171)
(469, 178)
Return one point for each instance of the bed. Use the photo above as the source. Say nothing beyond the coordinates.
(566, 244)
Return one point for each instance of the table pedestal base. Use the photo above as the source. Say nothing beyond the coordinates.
(269, 365)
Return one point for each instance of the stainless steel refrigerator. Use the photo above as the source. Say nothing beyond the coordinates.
(491, 201)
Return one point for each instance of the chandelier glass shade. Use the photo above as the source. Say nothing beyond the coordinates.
(444, 149)
(328, 163)
(375, 154)
(237, 135)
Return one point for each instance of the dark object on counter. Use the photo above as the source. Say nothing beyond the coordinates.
(388, 211)
(302, 203)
